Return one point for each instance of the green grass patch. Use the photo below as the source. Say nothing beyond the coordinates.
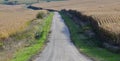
(26, 53)
(84, 44)
(1, 44)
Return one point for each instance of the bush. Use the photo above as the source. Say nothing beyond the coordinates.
(40, 15)
(1, 45)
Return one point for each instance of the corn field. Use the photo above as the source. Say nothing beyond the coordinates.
(108, 27)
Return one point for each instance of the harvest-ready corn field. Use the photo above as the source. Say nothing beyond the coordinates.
(108, 26)
(12, 20)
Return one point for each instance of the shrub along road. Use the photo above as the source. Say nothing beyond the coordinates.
(60, 47)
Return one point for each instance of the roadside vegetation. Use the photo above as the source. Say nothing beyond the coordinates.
(26, 53)
(86, 45)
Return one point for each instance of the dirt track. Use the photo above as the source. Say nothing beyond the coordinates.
(60, 47)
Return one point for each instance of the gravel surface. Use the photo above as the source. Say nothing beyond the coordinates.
(60, 47)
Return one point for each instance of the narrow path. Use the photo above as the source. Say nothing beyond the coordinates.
(60, 48)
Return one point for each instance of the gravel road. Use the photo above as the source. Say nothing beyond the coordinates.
(59, 47)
